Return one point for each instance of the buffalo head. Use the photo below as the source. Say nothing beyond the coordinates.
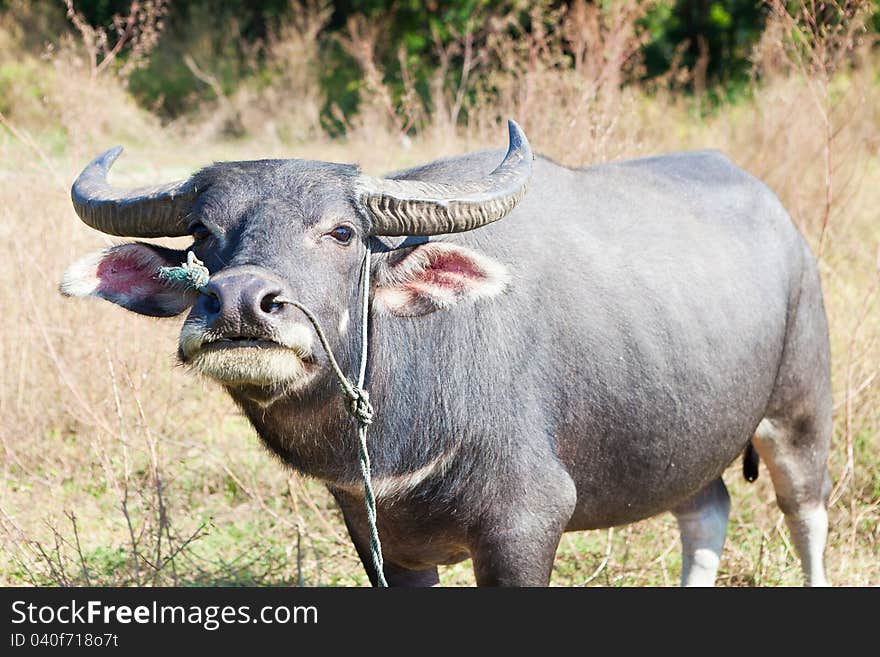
(273, 229)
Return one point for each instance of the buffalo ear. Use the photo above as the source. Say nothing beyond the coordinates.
(128, 275)
(437, 276)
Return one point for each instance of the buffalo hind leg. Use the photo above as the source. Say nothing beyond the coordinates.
(800, 478)
(702, 521)
(794, 437)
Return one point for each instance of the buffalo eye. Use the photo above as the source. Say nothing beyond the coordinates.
(341, 234)
(199, 231)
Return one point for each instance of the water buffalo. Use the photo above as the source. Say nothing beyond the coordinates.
(599, 355)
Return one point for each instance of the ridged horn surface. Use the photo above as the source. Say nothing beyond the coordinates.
(410, 207)
(154, 211)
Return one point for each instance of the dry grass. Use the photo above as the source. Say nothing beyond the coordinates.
(118, 468)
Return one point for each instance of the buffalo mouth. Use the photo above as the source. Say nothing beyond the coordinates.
(245, 341)
(248, 360)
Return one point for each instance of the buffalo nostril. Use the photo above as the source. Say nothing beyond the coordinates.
(211, 302)
(270, 304)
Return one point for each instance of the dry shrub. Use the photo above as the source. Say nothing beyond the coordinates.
(289, 104)
(282, 100)
(94, 113)
(136, 34)
(72, 409)
(380, 120)
(71, 99)
(564, 78)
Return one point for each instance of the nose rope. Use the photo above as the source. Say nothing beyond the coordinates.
(195, 275)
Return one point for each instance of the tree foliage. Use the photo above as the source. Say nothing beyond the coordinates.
(712, 39)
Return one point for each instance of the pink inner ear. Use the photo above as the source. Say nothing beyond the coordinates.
(437, 276)
(124, 271)
(450, 270)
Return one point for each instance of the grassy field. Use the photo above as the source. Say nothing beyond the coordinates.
(118, 468)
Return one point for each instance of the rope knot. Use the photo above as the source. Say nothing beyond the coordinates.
(193, 274)
(359, 406)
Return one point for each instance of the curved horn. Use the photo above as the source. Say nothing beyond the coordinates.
(156, 211)
(410, 207)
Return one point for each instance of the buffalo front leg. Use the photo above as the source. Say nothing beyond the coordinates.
(394, 575)
(702, 521)
(516, 544)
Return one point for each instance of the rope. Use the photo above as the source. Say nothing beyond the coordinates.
(195, 275)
